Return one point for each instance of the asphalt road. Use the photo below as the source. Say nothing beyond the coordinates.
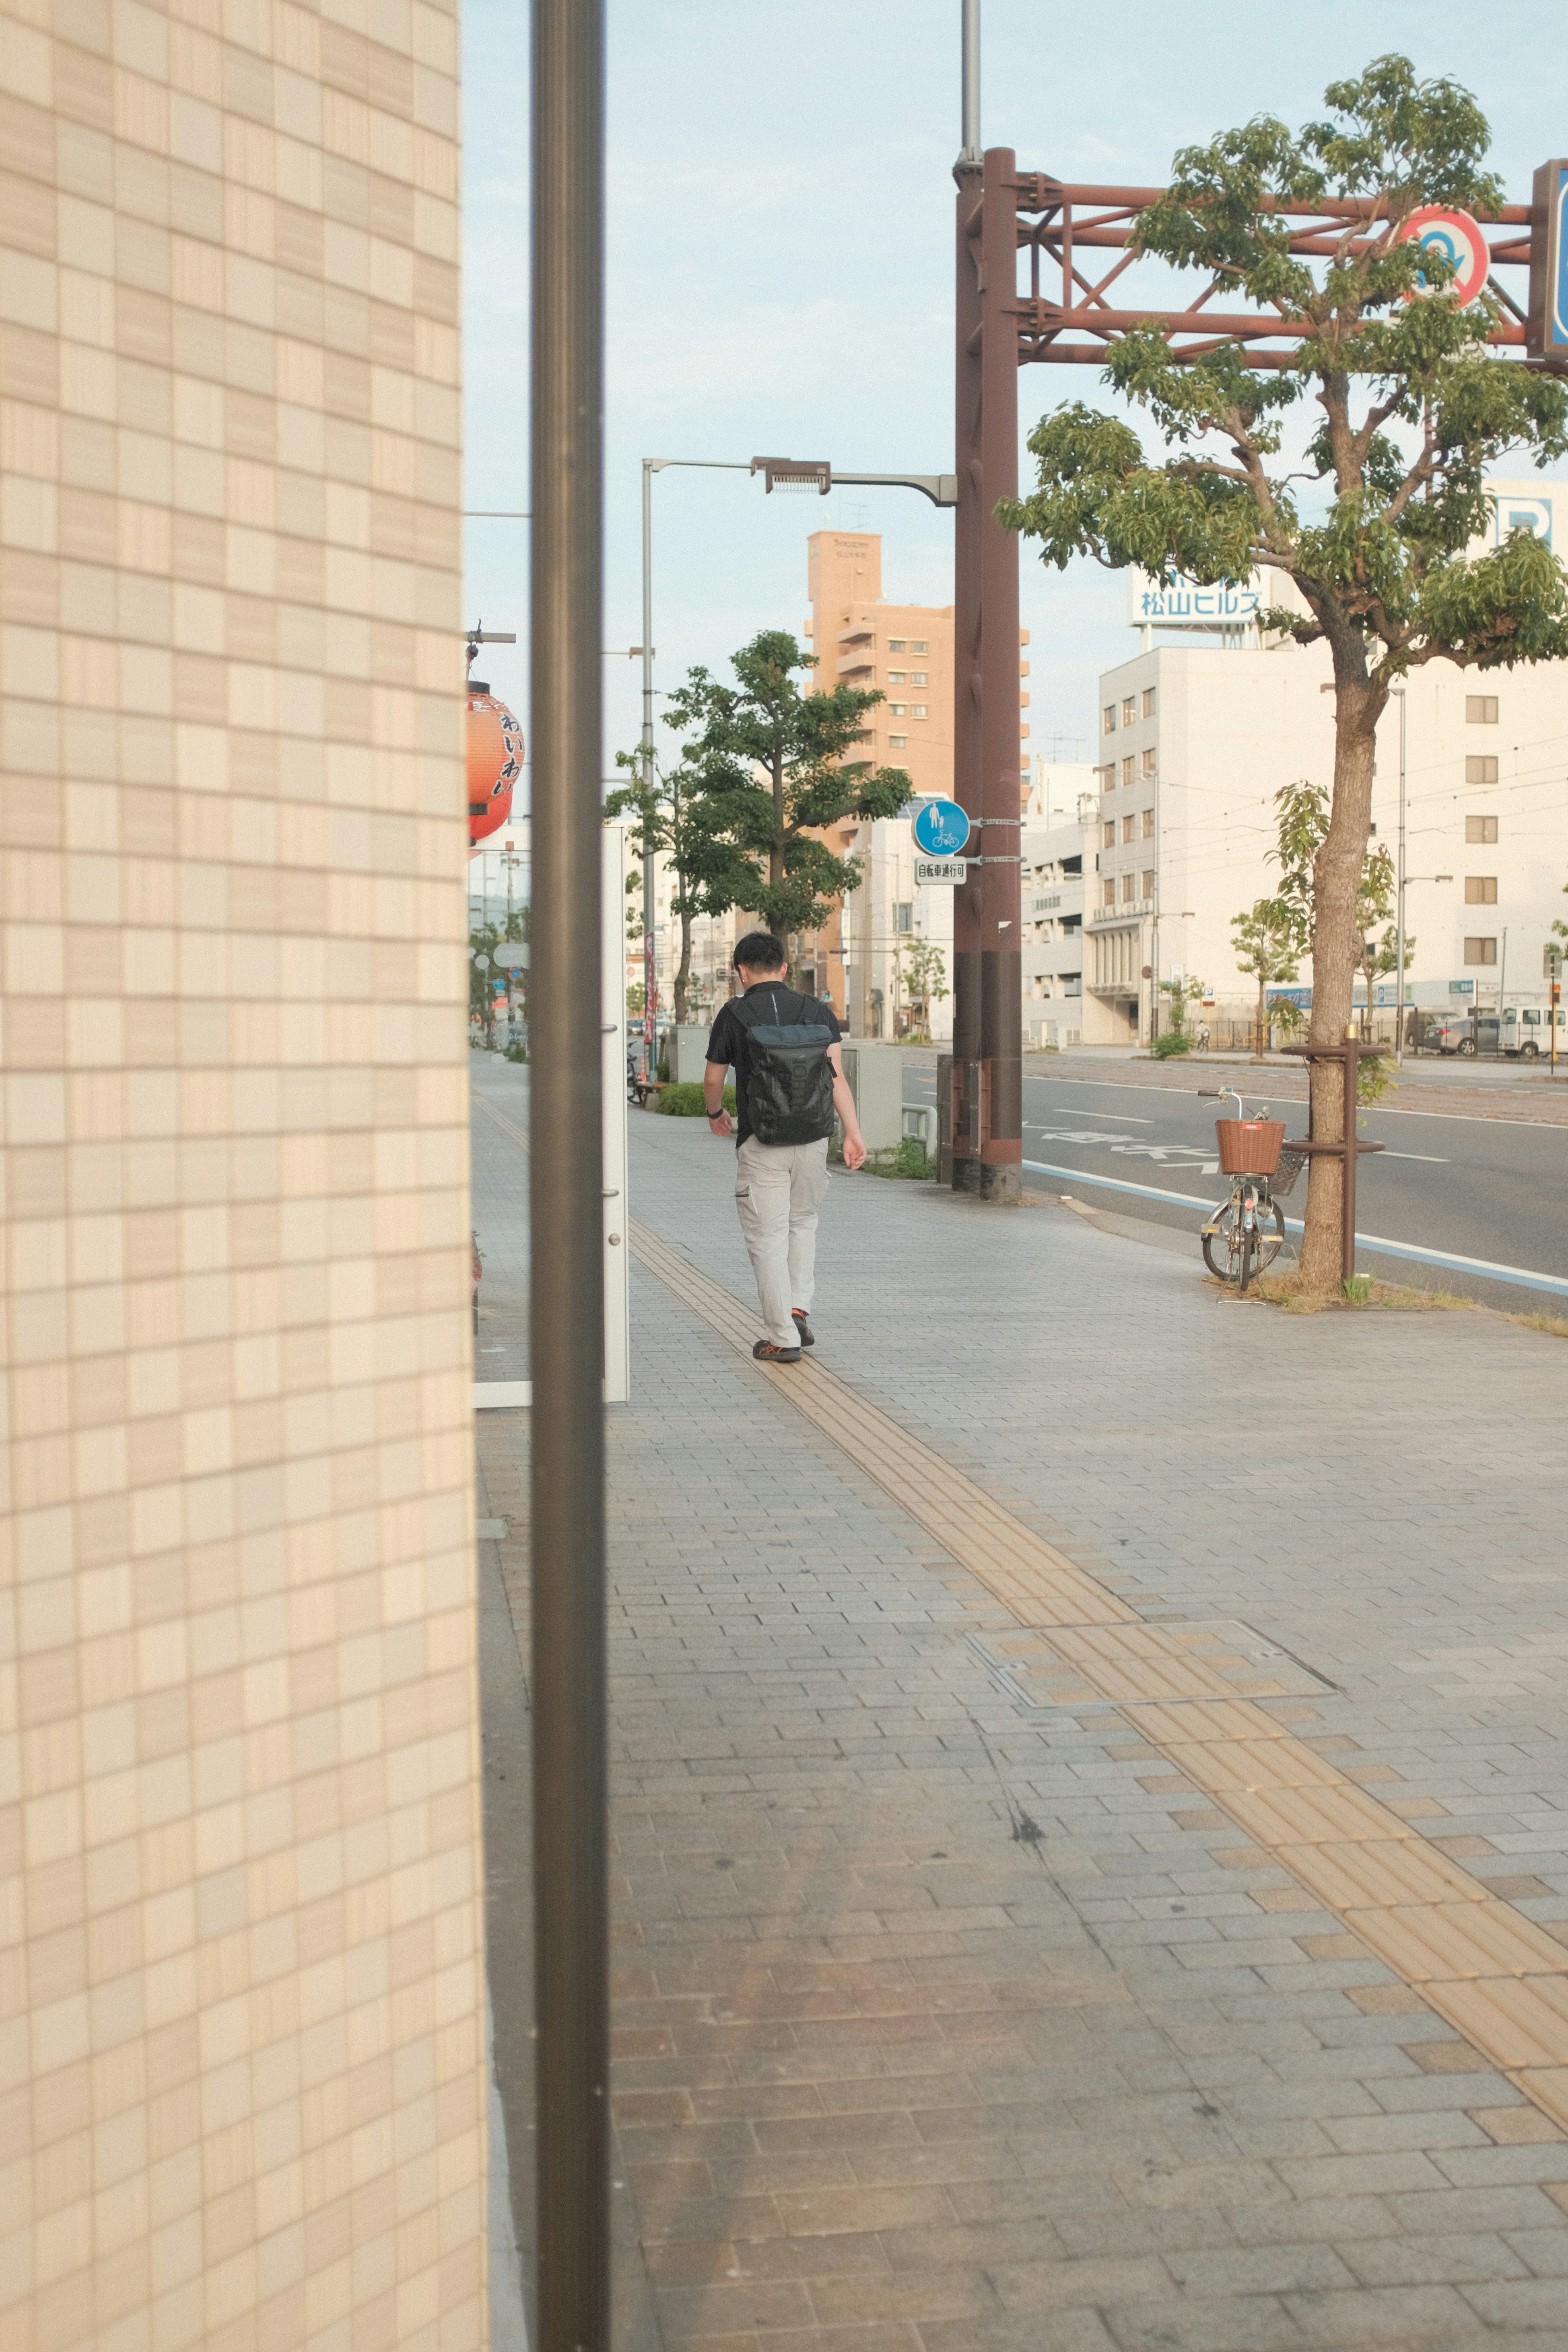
(1478, 1187)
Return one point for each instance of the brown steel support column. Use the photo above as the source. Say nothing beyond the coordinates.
(570, 1836)
(987, 949)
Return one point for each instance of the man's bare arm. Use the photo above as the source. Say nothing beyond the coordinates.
(844, 1104)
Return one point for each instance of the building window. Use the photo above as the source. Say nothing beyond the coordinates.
(896, 742)
(1127, 768)
(1129, 828)
(1108, 719)
(1480, 890)
(1148, 702)
(1149, 760)
(1129, 710)
(1149, 825)
(1148, 881)
(1108, 894)
(903, 915)
(1110, 833)
(920, 678)
(894, 644)
(918, 710)
(897, 709)
(1480, 950)
(919, 646)
(1480, 767)
(1480, 709)
(1480, 828)
(1129, 884)
(898, 678)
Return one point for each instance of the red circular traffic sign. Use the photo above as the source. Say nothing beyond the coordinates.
(1458, 240)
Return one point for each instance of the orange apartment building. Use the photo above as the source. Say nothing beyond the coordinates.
(906, 652)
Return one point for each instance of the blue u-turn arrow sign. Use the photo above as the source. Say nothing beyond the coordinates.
(941, 828)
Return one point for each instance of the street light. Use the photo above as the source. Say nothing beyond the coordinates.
(809, 473)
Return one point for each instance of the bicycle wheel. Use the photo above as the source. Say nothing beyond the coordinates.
(1249, 1246)
(1271, 1236)
(1222, 1242)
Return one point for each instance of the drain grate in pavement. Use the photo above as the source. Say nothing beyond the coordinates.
(1179, 1659)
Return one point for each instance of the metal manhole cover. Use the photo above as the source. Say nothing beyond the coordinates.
(1175, 1659)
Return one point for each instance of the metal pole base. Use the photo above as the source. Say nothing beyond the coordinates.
(1001, 1186)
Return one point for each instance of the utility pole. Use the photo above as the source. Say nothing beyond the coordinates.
(988, 1021)
(1399, 902)
(650, 957)
(566, 1209)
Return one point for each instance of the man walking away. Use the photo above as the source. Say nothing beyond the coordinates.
(789, 1081)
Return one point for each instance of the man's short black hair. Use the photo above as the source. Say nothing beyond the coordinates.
(759, 951)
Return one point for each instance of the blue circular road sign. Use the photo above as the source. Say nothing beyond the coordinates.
(941, 828)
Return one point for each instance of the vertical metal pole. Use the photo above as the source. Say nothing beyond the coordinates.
(649, 951)
(1350, 1049)
(567, 1215)
(987, 949)
(1399, 903)
(969, 157)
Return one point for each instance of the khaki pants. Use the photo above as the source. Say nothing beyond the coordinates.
(778, 1187)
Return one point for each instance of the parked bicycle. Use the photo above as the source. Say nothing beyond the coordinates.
(1245, 1234)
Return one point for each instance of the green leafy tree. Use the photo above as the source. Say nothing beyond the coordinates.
(483, 941)
(1181, 993)
(1304, 823)
(1265, 945)
(1380, 560)
(927, 973)
(768, 768)
(659, 805)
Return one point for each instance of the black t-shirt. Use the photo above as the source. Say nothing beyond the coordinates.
(728, 1041)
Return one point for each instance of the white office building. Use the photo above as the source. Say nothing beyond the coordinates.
(1197, 739)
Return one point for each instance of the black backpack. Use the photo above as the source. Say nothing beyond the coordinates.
(789, 1081)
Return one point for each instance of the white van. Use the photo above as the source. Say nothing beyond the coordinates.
(1526, 1030)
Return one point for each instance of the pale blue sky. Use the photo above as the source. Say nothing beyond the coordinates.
(781, 209)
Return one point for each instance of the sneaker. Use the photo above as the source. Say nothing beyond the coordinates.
(767, 1351)
(808, 1336)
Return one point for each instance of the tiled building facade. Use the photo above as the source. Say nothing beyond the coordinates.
(241, 2000)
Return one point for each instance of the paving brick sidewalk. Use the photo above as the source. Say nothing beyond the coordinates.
(946, 2024)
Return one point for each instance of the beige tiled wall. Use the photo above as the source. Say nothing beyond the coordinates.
(241, 2046)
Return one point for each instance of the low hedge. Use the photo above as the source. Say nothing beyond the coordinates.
(685, 1101)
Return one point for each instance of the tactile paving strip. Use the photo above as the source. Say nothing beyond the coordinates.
(1499, 1979)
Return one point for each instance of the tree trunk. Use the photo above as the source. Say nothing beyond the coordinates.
(683, 968)
(1337, 949)
(1261, 1039)
(776, 853)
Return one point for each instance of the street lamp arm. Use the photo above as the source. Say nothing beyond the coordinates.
(941, 490)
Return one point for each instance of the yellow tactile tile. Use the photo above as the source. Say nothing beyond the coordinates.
(1431, 1942)
(1252, 1764)
(1548, 2086)
(1283, 1816)
(1207, 1719)
(1516, 2020)
(1386, 1870)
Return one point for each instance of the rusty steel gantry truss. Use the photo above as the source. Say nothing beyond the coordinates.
(1069, 316)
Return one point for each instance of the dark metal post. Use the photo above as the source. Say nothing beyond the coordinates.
(567, 1220)
(987, 951)
(1348, 1136)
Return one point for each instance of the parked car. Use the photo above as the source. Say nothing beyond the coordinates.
(1463, 1033)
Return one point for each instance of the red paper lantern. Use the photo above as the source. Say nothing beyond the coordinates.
(495, 760)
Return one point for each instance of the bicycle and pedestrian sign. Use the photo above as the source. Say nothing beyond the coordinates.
(941, 828)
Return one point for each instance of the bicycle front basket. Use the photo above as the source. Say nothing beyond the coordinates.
(1291, 1166)
(1249, 1146)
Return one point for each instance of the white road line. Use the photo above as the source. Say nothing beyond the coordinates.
(1433, 1157)
(1384, 1110)
(1071, 1110)
(1519, 1276)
